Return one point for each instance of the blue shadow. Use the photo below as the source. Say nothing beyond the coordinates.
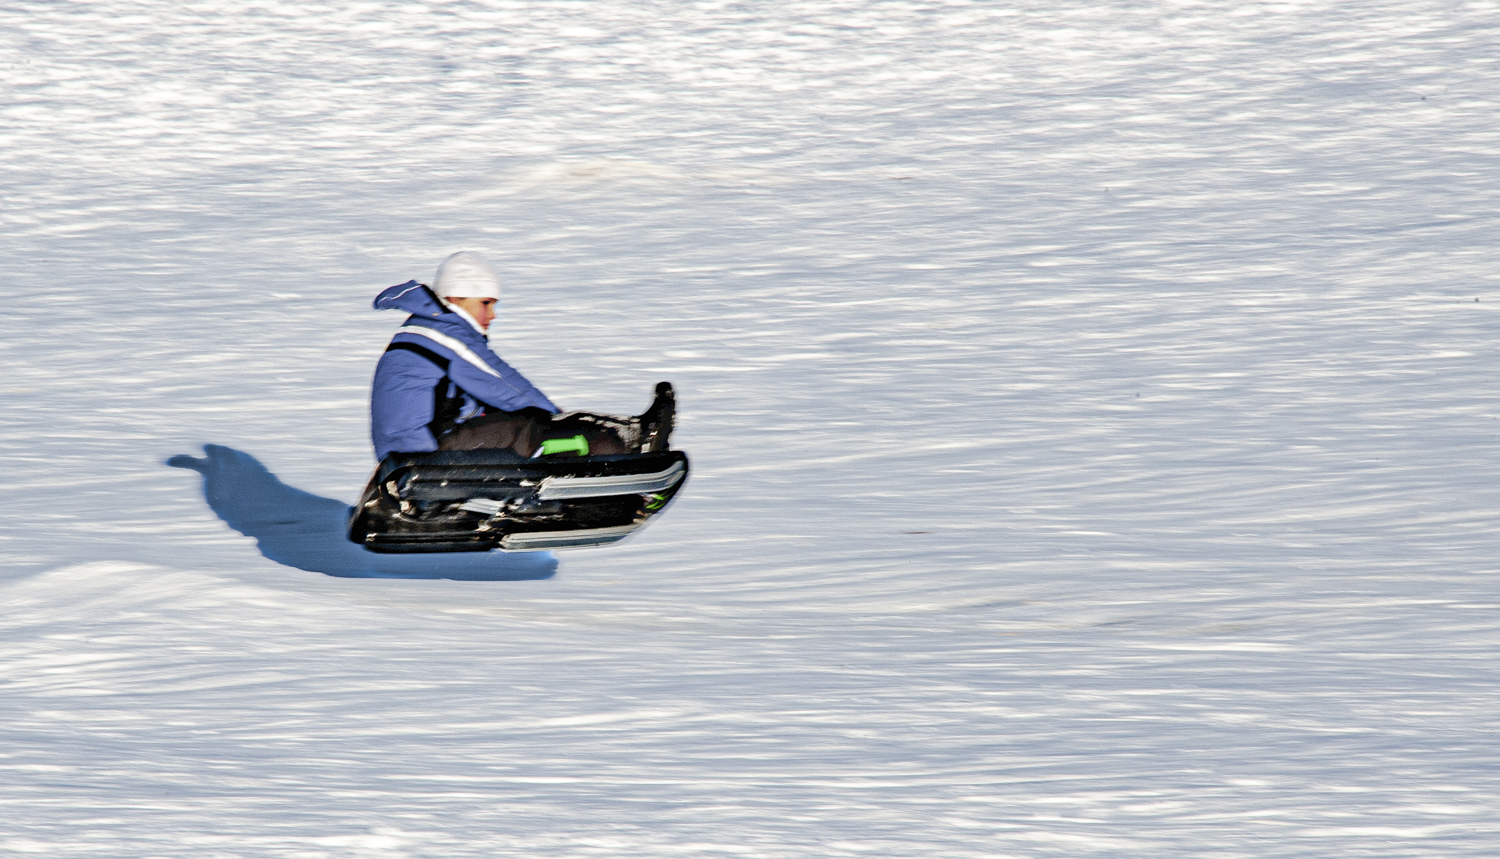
(308, 531)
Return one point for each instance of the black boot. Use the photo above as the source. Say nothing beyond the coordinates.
(656, 421)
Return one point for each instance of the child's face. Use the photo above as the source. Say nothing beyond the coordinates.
(482, 309)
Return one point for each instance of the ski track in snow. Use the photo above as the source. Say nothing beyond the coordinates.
(1092, 412)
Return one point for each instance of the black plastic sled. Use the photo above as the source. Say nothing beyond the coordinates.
(478, 500)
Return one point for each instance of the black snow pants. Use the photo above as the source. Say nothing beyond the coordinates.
(525, 430)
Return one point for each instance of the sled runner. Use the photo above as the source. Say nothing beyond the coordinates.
(478, 500)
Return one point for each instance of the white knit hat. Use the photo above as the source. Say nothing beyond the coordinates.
(466, 275)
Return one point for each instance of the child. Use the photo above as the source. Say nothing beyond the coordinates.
(439, 386)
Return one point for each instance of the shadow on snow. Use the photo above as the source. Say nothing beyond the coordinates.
(307, 531)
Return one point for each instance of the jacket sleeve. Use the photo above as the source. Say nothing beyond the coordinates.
(507, 391)
(401, 402)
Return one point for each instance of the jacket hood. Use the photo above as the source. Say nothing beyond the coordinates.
(412, 297)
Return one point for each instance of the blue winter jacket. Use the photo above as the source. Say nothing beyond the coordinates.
(437, 356)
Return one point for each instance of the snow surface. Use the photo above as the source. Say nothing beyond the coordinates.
(1092, 409)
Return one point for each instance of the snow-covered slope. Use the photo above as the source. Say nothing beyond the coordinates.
(1092, 411)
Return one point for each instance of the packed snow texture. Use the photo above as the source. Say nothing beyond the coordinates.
(1092, 408)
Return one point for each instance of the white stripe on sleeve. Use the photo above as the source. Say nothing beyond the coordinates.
(452, 343)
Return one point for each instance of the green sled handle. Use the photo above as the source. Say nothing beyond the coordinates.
(577, 444)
